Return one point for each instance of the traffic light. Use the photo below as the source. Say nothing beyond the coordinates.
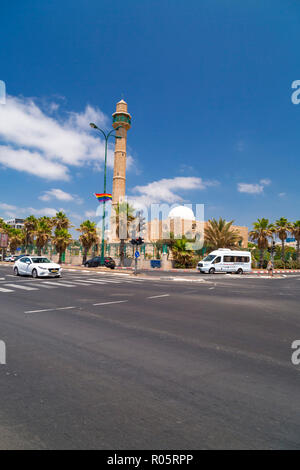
(139, 241)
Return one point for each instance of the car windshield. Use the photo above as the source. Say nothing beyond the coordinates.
(40, 260)
(209, 258)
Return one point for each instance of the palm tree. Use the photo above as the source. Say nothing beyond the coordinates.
(16, 238)
(4, 228)
(219, 234)
(43, 232)
(282, 226)
(61, 240)
(262, 231)
(295, 230)
(30, 226)
(181, 254)
(88, 237)
(61, 221)
(124, 215)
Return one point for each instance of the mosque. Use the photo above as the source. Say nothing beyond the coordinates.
(180, 219)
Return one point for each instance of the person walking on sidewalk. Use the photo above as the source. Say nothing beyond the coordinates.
(270, 267)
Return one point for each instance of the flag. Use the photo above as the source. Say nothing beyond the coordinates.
(103, 197)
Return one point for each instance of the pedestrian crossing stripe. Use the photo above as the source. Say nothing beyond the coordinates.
(45, 284)
(20, 286)
(52, 283)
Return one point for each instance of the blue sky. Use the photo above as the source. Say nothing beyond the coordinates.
(208, 84)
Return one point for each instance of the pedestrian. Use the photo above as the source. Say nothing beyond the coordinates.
(270, 267)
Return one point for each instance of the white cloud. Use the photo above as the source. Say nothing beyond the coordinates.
(282, 194)
(265, 182)
(90, 214)
(251, 188)
(45, 146)
(47, 211)
(60, 195)
(7, 207)
(14, 211)
(32, 162)
(165, 190)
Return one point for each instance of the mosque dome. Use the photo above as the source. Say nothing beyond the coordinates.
(182, 212)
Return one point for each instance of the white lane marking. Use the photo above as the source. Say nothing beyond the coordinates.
(19, 286)
(58, 284)
(116, 302)
(49, 309)
(5, 290)
(157, 296)
(45, 287)
(80, 281)
(2, 278)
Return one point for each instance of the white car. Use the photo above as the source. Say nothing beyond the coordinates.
(36, 266)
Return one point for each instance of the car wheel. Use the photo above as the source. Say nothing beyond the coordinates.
(16, 271)
(212, 271)
(34, 273)
(239, 271)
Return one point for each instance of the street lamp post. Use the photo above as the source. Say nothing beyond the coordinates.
(106, 137)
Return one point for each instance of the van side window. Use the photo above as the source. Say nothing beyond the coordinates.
(228, 259)
(217, 260)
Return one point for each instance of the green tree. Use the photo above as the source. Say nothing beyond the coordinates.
(60, 220)
(182, 256)
(29, 230)
(61, 240)
(43, 232)
(282, 227)
(88, 237)
(220, 234)
(295, 230)
(16, 239)
(262, 231)
(123, 217)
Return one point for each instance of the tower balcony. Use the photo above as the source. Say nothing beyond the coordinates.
(122, 118)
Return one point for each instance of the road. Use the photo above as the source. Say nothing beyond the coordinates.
(106, 361)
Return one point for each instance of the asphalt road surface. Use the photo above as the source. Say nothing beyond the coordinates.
(106, 361)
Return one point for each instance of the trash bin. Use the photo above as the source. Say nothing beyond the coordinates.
(155, 263)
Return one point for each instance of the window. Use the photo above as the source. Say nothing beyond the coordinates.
(228, 259)
(209, 258)
(217, 260)
(40, 260)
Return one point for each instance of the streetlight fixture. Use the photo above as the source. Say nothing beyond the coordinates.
(106, 137)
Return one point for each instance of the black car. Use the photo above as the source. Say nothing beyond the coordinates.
(20, 256)
(96, 261)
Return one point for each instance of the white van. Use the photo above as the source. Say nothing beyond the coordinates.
(225, 260)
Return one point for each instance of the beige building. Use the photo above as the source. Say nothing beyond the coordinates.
(180, 220)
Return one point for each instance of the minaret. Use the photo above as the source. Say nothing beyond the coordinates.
(120, 118)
